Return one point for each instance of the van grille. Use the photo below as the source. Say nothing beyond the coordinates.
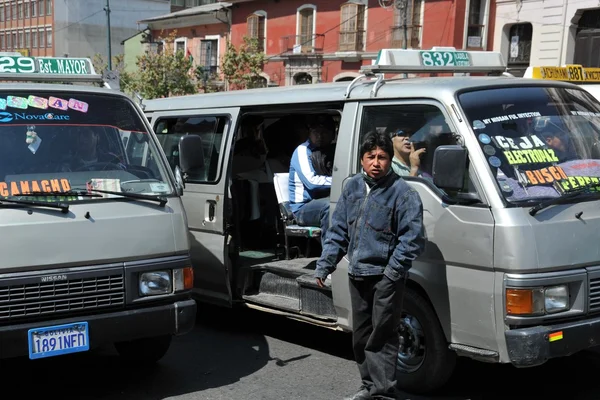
(594, 295)
(73, 295)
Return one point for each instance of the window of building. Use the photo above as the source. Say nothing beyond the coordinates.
(21, 39)
(257, 28)
(42, 7)
(42, 38)
(48, 7)
(476, 24)
(352, 28)
(1, 13)
(209, 54)
(27, 39)
(519, 48)
(408, 25)
(306, 28)
(180, 45)
(20, 10)
(15, 44)
(2, 42)
(48, 37)
(26, 9)
(13, 10)
(8, 41)
(34, 39)
(34, 8)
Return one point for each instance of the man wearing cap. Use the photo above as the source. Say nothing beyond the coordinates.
(406, 161)
(309, 191)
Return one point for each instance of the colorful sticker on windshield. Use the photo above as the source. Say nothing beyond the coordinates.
(24, 188)
(525, 150)
(489, 150)
(495, 161)
(585, 113)
(574, 183)
(17, 102)
(37, 102)
(58, 103)
(543, 176)
(483, 138)
(78, 105)
(2, 104)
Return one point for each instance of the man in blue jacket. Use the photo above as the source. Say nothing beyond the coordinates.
(378, 223)
(308, 190)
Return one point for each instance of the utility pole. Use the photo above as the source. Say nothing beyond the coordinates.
(402, 5)
(107, 9)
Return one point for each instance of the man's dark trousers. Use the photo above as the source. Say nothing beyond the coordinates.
(376, 312)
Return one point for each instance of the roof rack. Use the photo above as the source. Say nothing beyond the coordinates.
(17, 68)
(567, 73)
(438, 59)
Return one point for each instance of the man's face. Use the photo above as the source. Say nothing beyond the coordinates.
(376, 163)
(320, 136)
(400, 140)
(87, 140)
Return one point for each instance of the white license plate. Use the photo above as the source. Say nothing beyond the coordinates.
(57, 340)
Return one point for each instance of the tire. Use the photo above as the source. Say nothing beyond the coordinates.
(144, 351)
(427, 364)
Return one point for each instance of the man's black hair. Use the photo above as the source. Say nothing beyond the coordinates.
(374, 139)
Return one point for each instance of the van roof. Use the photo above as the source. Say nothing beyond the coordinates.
(334, 92)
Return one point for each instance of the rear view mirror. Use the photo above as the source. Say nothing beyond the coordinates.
(191, 155)
(449, 167)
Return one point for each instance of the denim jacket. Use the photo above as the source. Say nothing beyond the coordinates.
(381, 230)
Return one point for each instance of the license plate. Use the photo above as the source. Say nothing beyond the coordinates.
(57, 340)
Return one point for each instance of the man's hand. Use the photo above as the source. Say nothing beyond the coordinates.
(320, 282)
(415, 159)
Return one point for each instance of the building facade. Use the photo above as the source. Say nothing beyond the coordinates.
(548, 33)
(309, 41)
(73, 28)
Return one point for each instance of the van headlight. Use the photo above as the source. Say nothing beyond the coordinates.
(537, 301)
(155, 283)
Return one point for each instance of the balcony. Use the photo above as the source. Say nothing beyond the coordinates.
(413, 34)
(352, 40)
(302, 44)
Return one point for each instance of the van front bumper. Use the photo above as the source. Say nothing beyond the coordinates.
(175, 318)
(529, 347)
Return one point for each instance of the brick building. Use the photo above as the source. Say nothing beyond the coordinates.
(326, 40)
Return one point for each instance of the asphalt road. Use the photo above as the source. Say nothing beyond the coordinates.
(251, 355)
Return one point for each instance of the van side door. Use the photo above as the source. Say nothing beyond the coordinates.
(204, 196)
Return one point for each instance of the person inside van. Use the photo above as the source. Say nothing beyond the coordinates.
(407, 159)
(87, 151)
(309, 190)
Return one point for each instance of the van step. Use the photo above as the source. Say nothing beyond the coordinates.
(275, 301)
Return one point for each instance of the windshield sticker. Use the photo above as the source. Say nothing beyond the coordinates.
(17, 102)
(489, 150)
(511, 117)
(2, 104)
(58, 103)
(544, 176)
(77, 105)
(20, 188)
(495, 161)
(525, 150)
(477, 124)
(485, 139)
(577, 183)
(159, 187)
(113, 185)
(586, 113)
(38, 102)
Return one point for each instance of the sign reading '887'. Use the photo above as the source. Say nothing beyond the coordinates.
(445, 58)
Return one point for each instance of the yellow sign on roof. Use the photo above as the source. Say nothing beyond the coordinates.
(568, 73)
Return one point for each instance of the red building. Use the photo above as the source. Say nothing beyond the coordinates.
(307, 41)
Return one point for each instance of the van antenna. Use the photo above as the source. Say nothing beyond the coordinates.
(140, 100)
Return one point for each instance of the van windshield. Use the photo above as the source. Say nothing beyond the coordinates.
(540, 142)
(64, 142)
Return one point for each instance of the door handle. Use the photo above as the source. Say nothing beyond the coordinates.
(212, 206)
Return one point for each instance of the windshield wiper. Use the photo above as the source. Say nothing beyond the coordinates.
(63, 207)
(585, 193)
(92, 193)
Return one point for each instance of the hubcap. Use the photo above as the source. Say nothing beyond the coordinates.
(411, 352)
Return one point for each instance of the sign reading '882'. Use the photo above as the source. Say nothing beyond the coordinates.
(445, 58)
(45, 65)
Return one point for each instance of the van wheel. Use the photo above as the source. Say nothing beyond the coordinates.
(424, 361)
(145, 350)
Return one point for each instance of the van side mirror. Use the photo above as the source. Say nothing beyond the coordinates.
(191, 155)
(449, 167)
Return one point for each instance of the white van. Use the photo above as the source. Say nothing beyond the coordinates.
(95, 246)
(511, 269)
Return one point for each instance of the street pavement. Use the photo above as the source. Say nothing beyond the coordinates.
(249, 355)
